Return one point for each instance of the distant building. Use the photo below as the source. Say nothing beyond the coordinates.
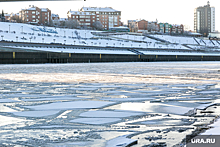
(85, 19)
(165, 28)
(142, 26)
(177, 29)
(171, 29)
(132, 25)
(53, 16)
(204, 19)
(86, 16)
(14, 17)
(35, 15)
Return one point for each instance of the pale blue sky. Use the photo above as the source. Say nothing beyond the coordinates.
(171, 11)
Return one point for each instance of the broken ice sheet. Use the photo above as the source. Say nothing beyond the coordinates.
(111, 114)
(95, 121)
(152, 108)
(71, 105)
(35, 113)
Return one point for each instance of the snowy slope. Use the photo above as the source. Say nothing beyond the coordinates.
(18, 32)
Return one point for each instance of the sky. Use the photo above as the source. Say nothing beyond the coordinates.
(171, 11)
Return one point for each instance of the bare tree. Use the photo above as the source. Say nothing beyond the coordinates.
(56, 22)
(98, 25)
(133, 27)
(151, 27)
(16, 18)
(72, 24)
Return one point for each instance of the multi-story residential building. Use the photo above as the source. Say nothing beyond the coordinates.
(108, 16)
(85, 19)
(45, 16)
(171, 29)
(204, 19)
(35, 15)
(165, 27)
(142, 25)
(177, 29)
(132, 25)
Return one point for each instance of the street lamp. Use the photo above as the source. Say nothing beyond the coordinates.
(64, 41)
(42, 40)
(74, 42)
(22, 30)
(2, 37)
(72, 34)
(30, 39)
(54, 40)
(17, 38)
(64, 34)
(9, 28)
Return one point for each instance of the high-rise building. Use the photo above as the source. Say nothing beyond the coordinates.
(204, 19)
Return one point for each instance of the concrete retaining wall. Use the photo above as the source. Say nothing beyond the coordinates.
(50, 57)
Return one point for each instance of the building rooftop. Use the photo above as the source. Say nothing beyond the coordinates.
(80, 13)
(54, 15)
(99, 9)
(44, 9)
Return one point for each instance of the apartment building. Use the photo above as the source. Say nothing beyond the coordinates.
(132, 25)
(86, 16)
(177, 29)
(85, 19)
(170, 28)
(35, 15)
(204, 19)
(142, 26)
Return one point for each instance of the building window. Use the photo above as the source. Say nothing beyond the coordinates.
(33, 12)
(45, 13)
(45, 17)
(33, 16)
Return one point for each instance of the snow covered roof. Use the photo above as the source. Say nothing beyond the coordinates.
(31, 9)
(7, 14)
(44, 9)
(54, 15)
(63, 19)
(132, 20)
(120, 27)
(99, 9)
(80, 13)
